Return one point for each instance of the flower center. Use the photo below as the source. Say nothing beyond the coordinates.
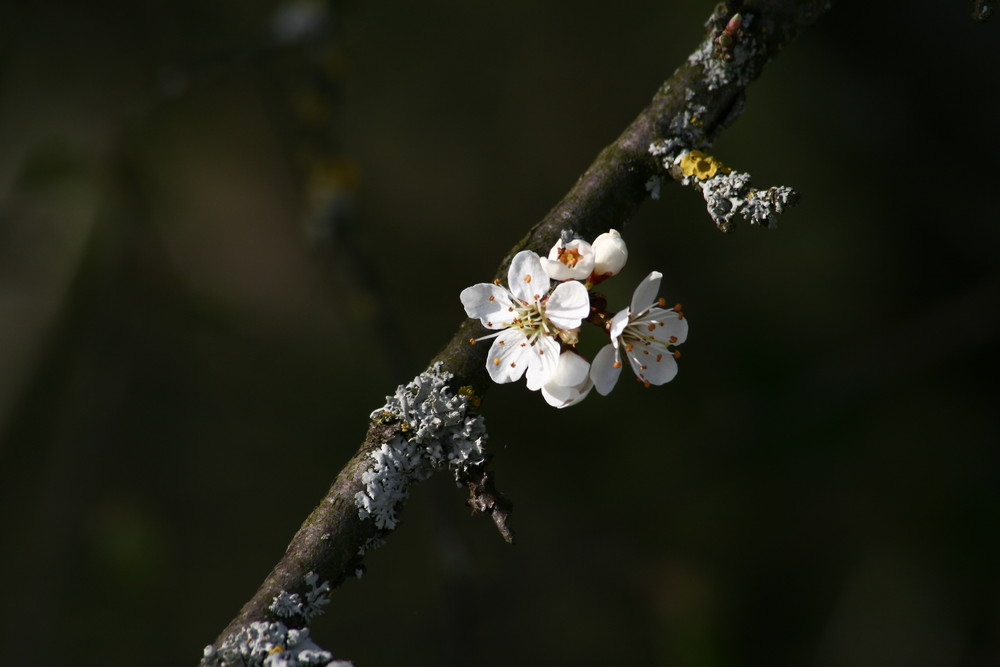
(644, 332)
(569, 256)
(531, 320)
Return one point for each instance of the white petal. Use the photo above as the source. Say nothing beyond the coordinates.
(559, 271)
(570, 383)
(603, 371)
(672, 325)
(526, 278)
(507, 360)
(542, 358)
(568, 305)
(662, 371)
(645, 294)
(618, 324)
(556, 396)
(571, 371)
(489, 303)
(652, 364)
(563, 397)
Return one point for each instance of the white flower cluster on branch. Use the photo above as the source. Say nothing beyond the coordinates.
(537, 325)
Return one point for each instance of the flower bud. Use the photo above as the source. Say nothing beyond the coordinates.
(610, 254)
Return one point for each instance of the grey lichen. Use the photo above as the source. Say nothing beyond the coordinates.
(264, 644)
(287, 604)
(687, 131)
(763, 206)
(730, 195)
(653, 186)
(731, 64)
(439, 431)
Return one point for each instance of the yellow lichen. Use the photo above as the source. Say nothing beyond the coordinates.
(474, 400)
(702, 166)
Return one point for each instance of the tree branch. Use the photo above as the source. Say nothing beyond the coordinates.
(433, 423)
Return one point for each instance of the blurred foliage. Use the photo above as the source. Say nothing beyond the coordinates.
(219, 250)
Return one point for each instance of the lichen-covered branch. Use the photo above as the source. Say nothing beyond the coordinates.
(728, 194)
(433, 422)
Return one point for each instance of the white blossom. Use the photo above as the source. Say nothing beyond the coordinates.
(569, 261)
(528, 318)
(646, 332)
(570, 383)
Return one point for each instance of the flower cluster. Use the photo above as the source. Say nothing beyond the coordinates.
(537, 325)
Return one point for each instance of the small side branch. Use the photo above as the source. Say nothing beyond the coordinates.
(484, 498)
(728, 193)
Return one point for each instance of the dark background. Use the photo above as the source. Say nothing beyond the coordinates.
(186, 362)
